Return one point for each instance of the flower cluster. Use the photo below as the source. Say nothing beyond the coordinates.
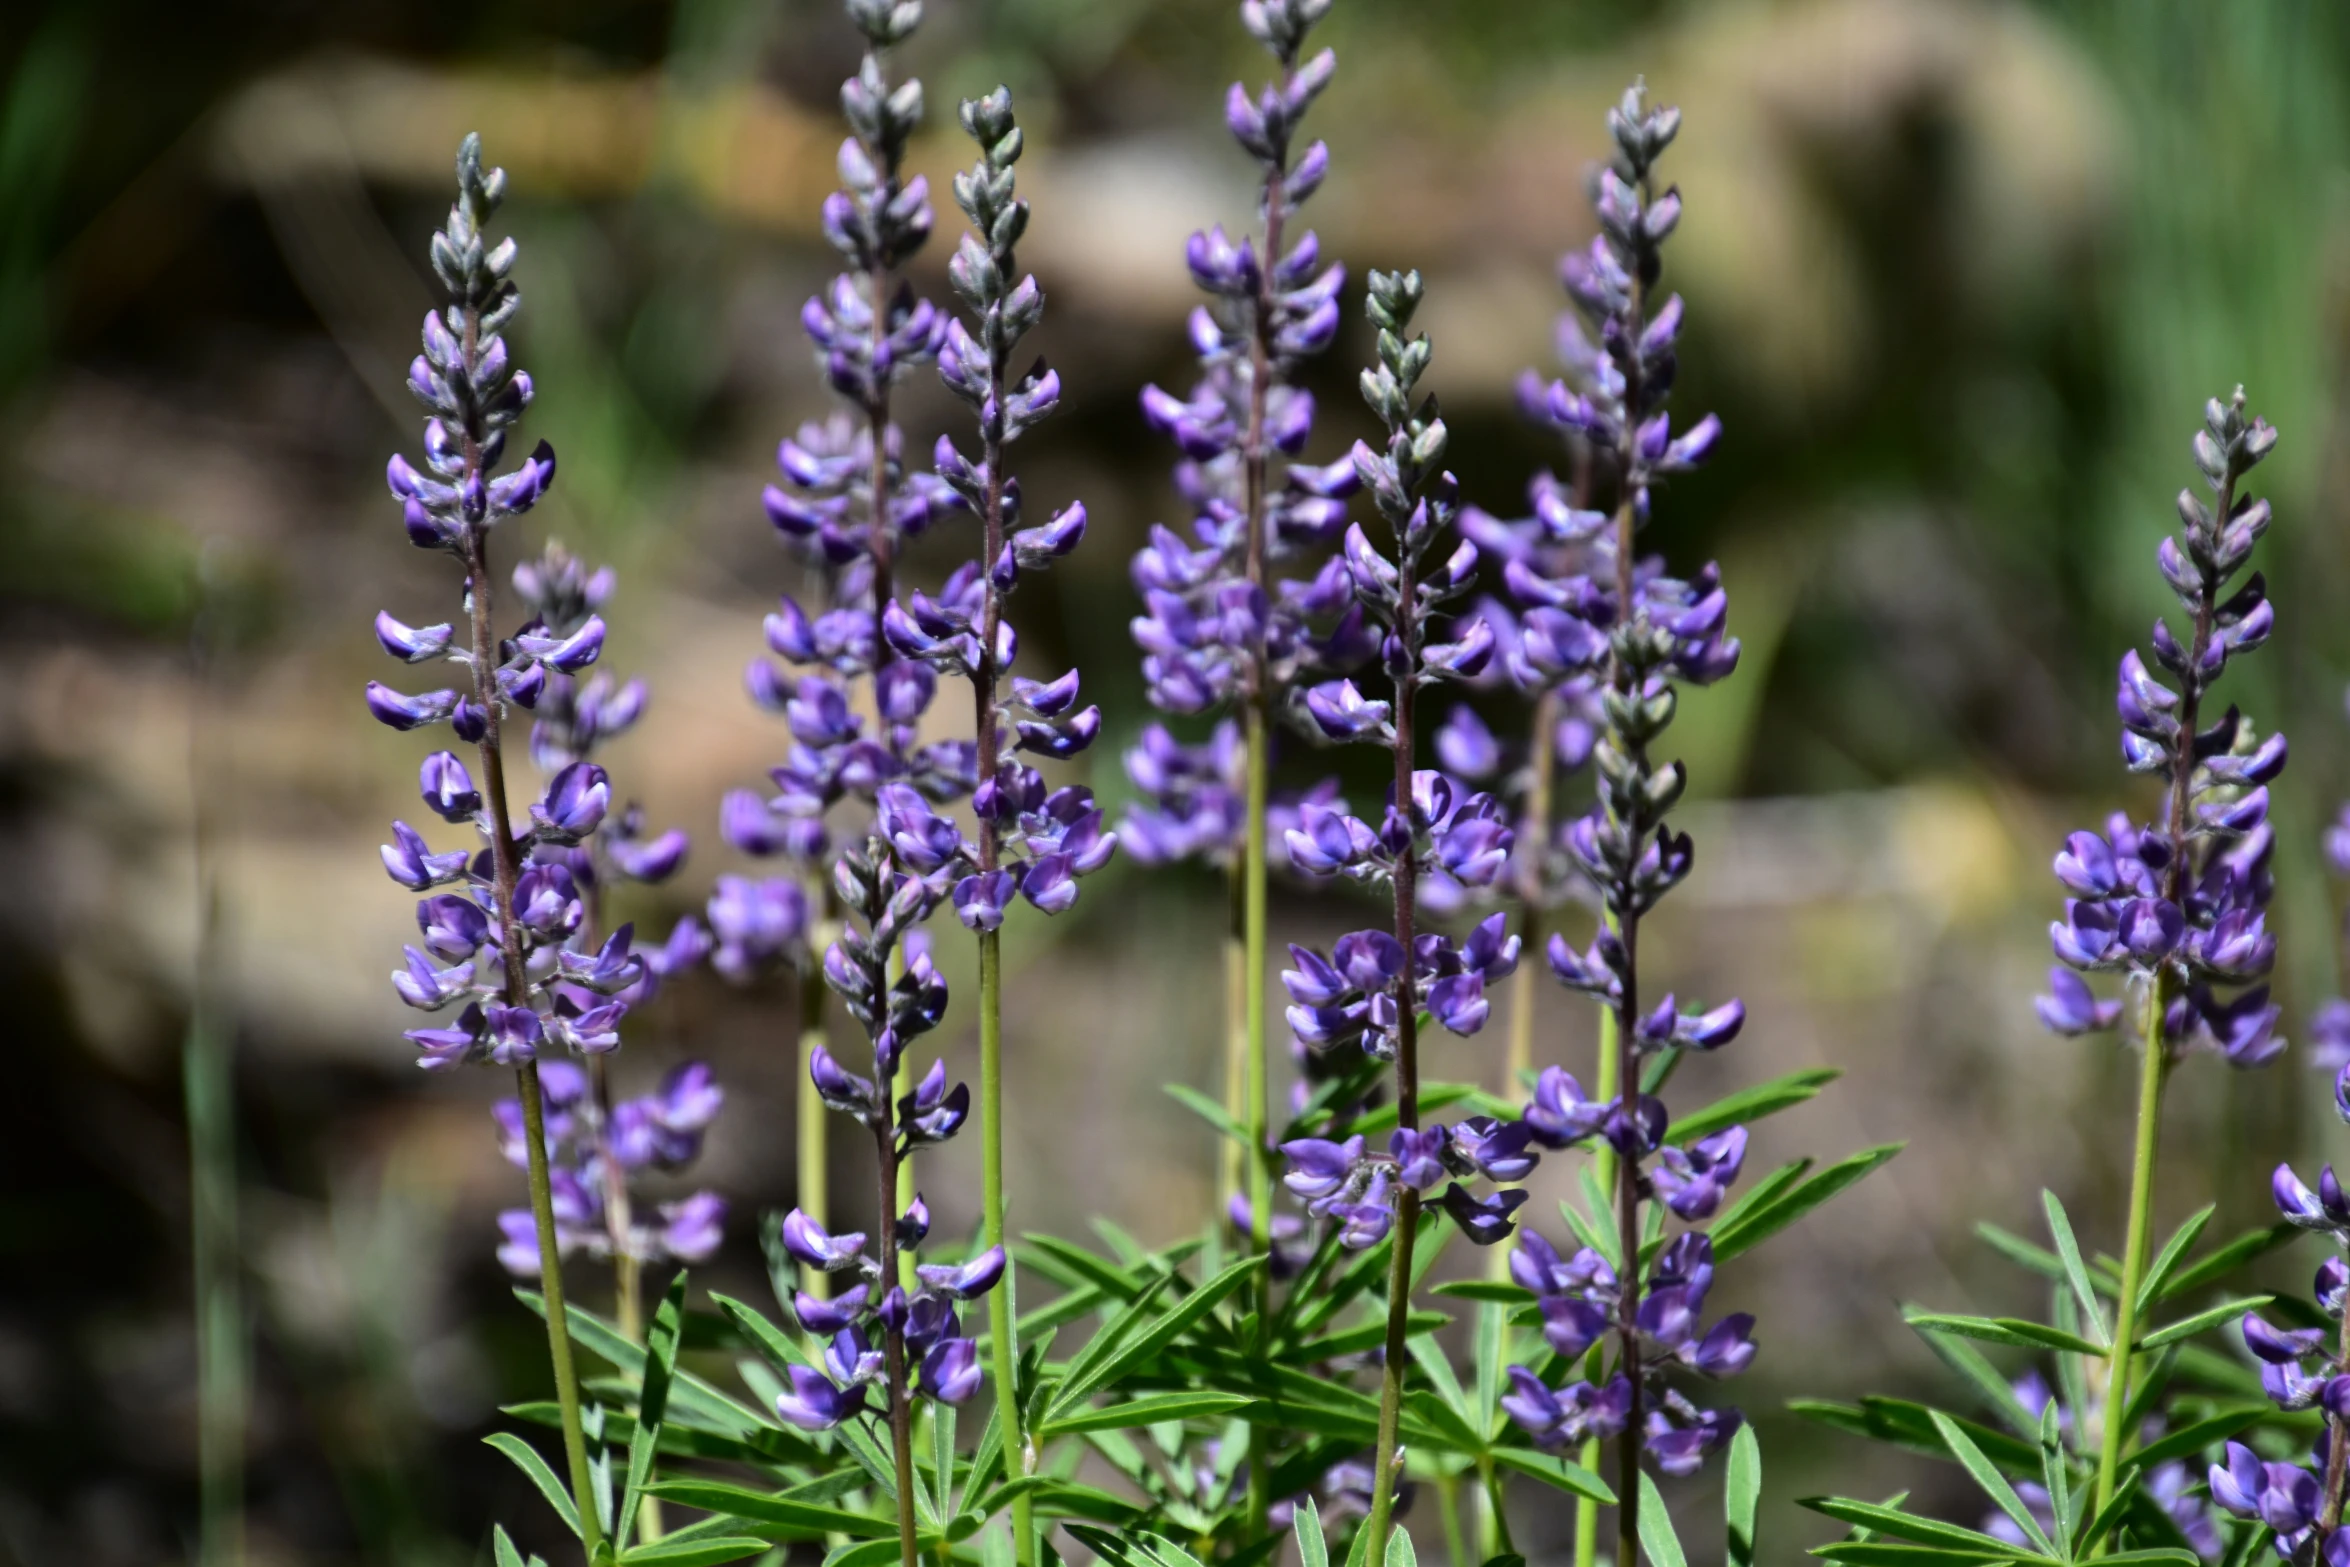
(1357, 994)
(1034, 842)
(1210, 624)
(890, 884)
(1192, 803)
(848, 500)
(2179, 905)
(1355, 1188)
(512, 943)
(1580, 1300)
(1600, 620)
(594, 1155)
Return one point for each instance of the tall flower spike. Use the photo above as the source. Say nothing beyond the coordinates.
(2177, 906)
(1216, 629)
(886, 887)
(1599, 625)
(506, 934)
(1374, 983)
(845, 503)
(1031, 840)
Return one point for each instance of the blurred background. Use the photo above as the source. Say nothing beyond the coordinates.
(1959, 274)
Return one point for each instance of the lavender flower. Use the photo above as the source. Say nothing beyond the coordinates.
(1599, 619)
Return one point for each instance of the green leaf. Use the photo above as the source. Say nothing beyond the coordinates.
(2249, 1543)
(2173, 1252)
(1657, 1540)
(1907, 1526)
(1362, 1338)
(1067, 1499)
(694, 1553)
(1144, 1411)
(502, 1548)
(1868, 1553)
(690, 1397)
(782, 1349)
(2068, 1251)
(2227, 1259)
(2166, 1557)
(2021, 1252)
(2056, 1472)
(1763, 1192)
(1399, 1548)
(1208, 1110)
(1436, 1096)
(1485, 1290)
(534, 1468)
(771, 1509)
(1491, 1345)
(866, 1553)
(1169, 1327)
(1752, 1104)
(1313, 1550)
(1968, 1362)
(1993, 1483)
(1589, 1222)
(2094, 1532)
(1066, 1263)
(1758, 1224)
(1742, 1489)
(2008, 1330)
(652, 1402)
(2190, 1440)
(1358, 1550)
(2210, 1317)
(1553, 1470)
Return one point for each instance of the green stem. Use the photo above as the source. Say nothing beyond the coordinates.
(1399, 1288)
(1494, 1481)
(814, 1165)
(542, 1212)
(1254, 1088)
(1448, 1507)
(209, 1084)
(2151, 1073)
(1002, 1327)
(1229, 1152)
(1603, 1165)
(893, 1342)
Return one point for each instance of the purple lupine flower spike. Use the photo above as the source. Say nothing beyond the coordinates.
(2182, 900)
(1602, 637)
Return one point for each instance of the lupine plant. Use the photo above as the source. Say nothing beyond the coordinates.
(1217, 629)
(503, 944)
(2176, 908)
(1245, 1404)
(847, 504)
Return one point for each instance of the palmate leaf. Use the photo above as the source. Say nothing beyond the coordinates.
(2190, 1440)
(1905, 1423)
(691, 1399)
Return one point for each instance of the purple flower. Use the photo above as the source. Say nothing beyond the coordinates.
(812, 1246)
(814, 1403)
